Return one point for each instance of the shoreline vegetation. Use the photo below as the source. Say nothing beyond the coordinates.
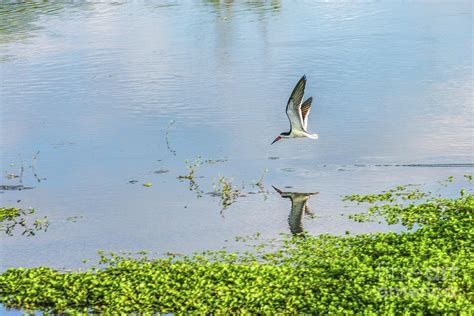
(426, 269)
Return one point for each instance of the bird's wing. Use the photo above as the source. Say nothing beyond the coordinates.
(295, 219)
(293, 107)
(305, 108)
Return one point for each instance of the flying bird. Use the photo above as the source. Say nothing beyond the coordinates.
(298, 112)
(298, 207)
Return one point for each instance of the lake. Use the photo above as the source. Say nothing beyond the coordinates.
(104, 105)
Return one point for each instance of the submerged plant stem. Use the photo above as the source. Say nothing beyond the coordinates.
(167, 138)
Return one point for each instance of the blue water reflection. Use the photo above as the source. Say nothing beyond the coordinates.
(94, 86)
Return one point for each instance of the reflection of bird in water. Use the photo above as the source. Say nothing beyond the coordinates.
(298, 112)
(298, 208)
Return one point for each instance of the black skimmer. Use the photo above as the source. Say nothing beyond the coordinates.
(298, 112)
(298, 207)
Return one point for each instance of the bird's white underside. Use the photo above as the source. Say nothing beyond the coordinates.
(297, 134)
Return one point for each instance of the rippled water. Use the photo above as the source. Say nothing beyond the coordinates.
(95, 89)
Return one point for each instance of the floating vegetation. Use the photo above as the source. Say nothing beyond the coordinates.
(193, 186)
(246, 238)
(409, 207)
(226, 191)
(147, 184)
(191, 169)
(12, 175)
(12, 219)
(425, 271)
(401, 192)
(191, 175)
(19, 176)
(447, 181)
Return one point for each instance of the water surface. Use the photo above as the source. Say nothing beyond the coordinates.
(95, 89)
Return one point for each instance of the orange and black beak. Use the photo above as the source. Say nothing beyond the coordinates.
(276, 139)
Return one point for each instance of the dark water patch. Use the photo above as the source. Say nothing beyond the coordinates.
(74, 219)
(424, 165)
(213, 161)
(19, 187)
(161, 171)
(440, 165)
(60, 144)
(214, 193)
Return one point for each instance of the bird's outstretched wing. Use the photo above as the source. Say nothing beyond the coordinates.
(293, 107)
(298, 207)
(305, 108)
(295, 218)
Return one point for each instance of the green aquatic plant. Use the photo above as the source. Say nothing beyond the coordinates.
(190, 176)
(227, 192)
(425, 271)
(12, 219)
(11, 176)
(192, 168)
(447, 181)
(408, 215)
(9, 213)
(407, 205)
(401, 192)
